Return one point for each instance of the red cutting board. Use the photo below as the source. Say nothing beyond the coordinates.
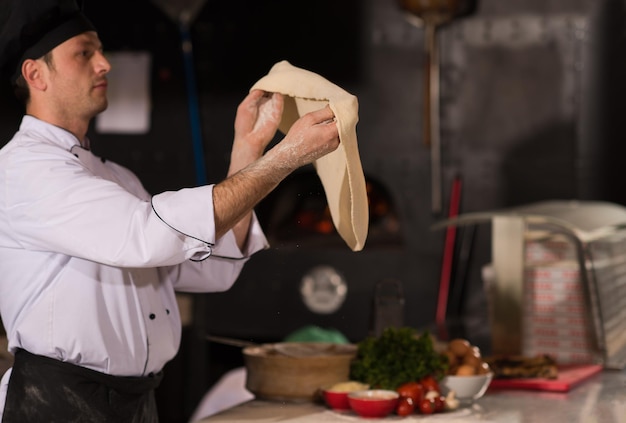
(569, 376)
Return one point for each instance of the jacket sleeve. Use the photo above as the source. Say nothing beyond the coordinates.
(75, 206)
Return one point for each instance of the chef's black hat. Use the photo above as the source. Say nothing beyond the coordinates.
(31, 28)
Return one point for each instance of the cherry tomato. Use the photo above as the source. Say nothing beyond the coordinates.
(413, 390)
(440, 403)
(430, 384)
(427, 406)
(405, 406)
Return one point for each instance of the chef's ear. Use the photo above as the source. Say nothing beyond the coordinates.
(33, 73)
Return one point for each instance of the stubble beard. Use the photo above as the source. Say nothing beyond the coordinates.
(98, 106)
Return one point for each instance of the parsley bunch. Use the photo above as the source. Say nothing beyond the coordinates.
(398, 356)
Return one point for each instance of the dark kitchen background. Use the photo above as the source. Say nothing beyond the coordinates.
(531, 109)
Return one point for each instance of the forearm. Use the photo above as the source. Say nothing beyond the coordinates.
(235, 198)
(242, 155)
(255, 125)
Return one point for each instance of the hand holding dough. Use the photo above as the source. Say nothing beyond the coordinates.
(340, 171)
(311, 137)
(257, 119)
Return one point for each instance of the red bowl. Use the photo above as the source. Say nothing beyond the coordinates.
(373, 402)
(336, 400)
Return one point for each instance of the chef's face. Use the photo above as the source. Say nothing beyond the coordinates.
(77, 81)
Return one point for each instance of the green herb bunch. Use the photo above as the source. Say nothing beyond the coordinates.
(397, 356)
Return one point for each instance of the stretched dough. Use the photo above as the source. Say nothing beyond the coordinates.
(340, 171)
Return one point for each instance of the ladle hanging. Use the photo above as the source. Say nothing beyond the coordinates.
(431, 14)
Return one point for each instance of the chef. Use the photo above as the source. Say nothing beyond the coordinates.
(90, 261)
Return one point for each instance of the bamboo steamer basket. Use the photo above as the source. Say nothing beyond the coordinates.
(296, 371)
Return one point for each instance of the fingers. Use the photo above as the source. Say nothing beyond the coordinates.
(270, 101)
(253, 99)
(278, 100)
(250, 101)
(324, 115)
(255, 95)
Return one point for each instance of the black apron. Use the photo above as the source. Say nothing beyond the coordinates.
(43, 389)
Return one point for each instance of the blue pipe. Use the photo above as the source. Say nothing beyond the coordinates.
(194, 108)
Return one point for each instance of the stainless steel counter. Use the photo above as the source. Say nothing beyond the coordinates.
(600, 399)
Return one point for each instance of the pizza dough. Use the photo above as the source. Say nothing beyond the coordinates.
(340, 171)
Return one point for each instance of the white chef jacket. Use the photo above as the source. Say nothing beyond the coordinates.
(89, 261)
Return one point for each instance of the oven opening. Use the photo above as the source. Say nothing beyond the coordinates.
(296, 214)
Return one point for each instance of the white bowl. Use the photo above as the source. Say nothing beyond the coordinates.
(466, 388)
